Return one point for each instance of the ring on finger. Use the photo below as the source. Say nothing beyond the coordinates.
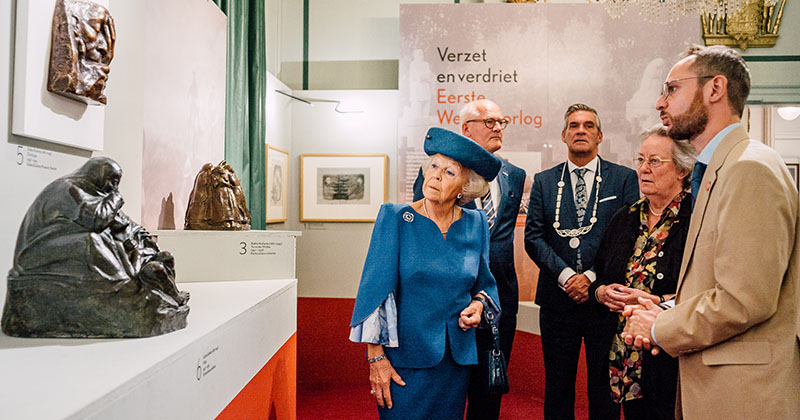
(372, 391)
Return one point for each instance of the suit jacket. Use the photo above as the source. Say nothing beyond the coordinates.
(735, 326)
(511, 180)
(552, 253)
(614, 253)
(433, 280)
(659, 373)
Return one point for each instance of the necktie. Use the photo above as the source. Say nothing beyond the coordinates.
(488, 207)
(697, 179)
(580, 194)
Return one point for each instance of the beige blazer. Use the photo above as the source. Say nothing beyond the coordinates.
(735, 326)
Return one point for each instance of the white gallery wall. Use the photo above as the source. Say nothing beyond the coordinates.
(330, 256)
(184, 104)
(363, 33)
(279, 114)
(29, 165)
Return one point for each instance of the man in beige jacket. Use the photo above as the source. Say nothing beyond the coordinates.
(735, 325)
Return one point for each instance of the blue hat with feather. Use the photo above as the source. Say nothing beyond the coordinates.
(462, 150)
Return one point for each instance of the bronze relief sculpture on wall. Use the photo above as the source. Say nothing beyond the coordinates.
(81, 50)
(82, 268)
(217, 200)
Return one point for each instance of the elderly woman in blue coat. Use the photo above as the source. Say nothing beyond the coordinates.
(425, 285)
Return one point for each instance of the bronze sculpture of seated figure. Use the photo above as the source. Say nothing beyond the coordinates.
(82, 268)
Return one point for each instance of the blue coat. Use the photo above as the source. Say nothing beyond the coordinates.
(511, 180)
(551, 252)
(433, 281)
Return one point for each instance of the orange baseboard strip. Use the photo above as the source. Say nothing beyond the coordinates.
(272, 393)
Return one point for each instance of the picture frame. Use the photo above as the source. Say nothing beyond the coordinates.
(342, 187)
(277, 184)
(794, 170)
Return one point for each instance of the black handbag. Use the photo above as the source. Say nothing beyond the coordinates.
(492, 363)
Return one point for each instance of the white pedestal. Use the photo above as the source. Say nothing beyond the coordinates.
(211, 255)
(234, 329)
(528, 318)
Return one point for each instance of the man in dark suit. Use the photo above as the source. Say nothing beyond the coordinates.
(483, 121)
(570, 206)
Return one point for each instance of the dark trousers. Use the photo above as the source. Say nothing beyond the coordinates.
(561, 345)
(479, 405)
(649, 409)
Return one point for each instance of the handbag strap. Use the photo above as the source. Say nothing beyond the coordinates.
(495, 331)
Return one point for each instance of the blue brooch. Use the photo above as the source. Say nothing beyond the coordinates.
(408, 217)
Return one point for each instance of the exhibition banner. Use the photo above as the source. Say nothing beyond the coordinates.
(533, 60)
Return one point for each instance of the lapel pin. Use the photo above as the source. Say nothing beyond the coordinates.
(708, 185)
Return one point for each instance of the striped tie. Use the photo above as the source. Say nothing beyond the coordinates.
(488, 207)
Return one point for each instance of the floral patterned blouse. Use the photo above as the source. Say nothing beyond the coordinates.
(625, 362)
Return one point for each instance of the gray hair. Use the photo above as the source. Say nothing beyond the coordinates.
(581, 107)
(469, 111)
(720, 60)
(682, 153)
(472, 109)
(475, 186)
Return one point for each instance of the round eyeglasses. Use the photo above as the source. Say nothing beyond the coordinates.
(491, 122)
(668, 87)
(653, 161)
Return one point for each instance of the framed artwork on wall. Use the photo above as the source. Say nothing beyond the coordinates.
(794, 168)
(277, 180)
(38, 113)
(342, 187)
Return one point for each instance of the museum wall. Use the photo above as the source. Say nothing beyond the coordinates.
(330, 255)
(184, 104)
(353, 44)
(29, 165)
(279, 114)
(346, 33)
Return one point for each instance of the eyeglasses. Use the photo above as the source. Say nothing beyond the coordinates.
(666, 88)
(653, 161)
(490, 122)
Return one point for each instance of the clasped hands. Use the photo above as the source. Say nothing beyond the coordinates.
(616, 296)
(577, 287)
(641, 318)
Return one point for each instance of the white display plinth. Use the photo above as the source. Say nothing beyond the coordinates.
(528, 318)
(211, 255)
(234, 329)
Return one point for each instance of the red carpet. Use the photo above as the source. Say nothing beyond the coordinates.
(332, 376)
(354, 402)
(349, 401)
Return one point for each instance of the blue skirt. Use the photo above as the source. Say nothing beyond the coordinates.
(438, 392)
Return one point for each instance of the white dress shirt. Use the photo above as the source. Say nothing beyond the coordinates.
(494, 187)
(591, 171)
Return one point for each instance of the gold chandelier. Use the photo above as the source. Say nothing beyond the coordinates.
(665, 11)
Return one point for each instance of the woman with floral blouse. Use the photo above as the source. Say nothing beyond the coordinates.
(640, 256)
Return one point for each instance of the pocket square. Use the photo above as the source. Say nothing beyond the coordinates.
(607, 198)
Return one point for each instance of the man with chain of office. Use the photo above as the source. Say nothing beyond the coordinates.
(570, 206)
